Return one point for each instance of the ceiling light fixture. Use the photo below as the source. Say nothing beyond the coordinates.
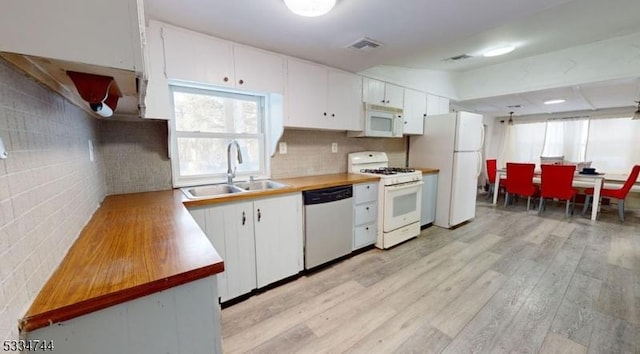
(555, 101)
(510, 122)
(310, 8)
(637, 114)
(499, 51)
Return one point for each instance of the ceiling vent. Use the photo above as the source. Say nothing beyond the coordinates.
(364, 44)
(459, 57)
(515, 106)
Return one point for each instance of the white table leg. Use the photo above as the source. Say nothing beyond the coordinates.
(596, 197)
(496, 185)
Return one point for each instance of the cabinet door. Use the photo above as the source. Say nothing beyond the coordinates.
(344, 101)
(306, 95)
(415, 109)
(429, 197)
(437, 105)
(195, 57)
(230, 229)
(394, 96)
(278, 238)
(373, 91)
(258, 70)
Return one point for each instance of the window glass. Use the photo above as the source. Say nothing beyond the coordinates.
(613, 144)
(205, 123)
(524, 143)
(566, 138)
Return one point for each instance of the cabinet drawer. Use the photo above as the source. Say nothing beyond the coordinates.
(365, 213)
(364, 235)
(365, 193)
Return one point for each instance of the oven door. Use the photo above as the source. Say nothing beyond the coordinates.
(401, 205)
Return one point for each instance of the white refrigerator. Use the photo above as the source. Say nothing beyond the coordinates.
(451, 143)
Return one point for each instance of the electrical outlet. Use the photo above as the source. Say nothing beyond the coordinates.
(282, 148)
(334, 147)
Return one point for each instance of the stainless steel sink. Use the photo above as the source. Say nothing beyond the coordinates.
(260, 185)
(211, 190)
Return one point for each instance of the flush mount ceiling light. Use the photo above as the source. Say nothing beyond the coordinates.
(555, 101)
(499, 51)
(637, 114)
(310, 8)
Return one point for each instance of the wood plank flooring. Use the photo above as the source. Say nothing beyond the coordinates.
(509, 281)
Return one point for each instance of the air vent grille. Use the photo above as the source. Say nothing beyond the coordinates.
(459, 57)
(364, 44)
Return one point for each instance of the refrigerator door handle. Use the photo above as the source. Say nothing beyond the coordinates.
(482, 137)
(479, 164)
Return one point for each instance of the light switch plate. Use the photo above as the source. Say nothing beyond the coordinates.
(334, 147)
(91, 155)
(282, 148)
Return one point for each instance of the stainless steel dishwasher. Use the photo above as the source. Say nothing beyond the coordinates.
(328, 215)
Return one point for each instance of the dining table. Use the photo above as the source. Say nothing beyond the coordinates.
(581, 180)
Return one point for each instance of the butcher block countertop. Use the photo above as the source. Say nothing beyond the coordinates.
(426, 171)
(141, 243)
(134, 245)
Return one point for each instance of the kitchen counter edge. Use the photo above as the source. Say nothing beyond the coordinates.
(84, 281)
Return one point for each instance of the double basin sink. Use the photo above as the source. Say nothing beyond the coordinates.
(213, 190)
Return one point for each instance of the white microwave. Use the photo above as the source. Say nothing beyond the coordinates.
(381, 121)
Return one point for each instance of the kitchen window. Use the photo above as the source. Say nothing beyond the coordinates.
(204, 122)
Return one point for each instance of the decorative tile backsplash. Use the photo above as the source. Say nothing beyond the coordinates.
(309, 152)
(135, 156)
(48, 187)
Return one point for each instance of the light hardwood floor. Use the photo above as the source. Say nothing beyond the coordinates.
(509, 281)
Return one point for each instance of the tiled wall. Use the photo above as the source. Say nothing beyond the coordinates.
(135, 156)
(309, 152)
(48, 188)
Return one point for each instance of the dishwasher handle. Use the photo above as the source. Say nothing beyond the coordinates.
(327, 195)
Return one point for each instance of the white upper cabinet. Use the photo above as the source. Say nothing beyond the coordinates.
(102, 33)
(415, 109)
(196, 57)
(437, 105)
(258, 70)
(322, 98)
(382, 93)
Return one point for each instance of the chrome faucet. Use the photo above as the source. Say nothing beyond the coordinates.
(232, 173)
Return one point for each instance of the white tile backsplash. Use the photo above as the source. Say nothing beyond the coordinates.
(48, 188)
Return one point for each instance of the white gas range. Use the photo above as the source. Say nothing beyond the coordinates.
(399, 196)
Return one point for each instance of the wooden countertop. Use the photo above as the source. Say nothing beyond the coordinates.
(295, 184)
(426, 171)
(134, 245)
(138, 244)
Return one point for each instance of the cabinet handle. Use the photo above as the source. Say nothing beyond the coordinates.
(368, 187)
(382, 101)
(405, 122)
(333, 115)
(259, 215)
(367, 228)
(241, 82)
(325, 114)
(225, 79)
(244, 218)
(387, 101)
(424, 115)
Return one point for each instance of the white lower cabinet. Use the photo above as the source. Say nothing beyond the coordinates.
(429, 197)
(260, 241)
(365, 215)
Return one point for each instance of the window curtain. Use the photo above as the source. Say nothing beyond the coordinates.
(523, 143)
(567, 138)
(613, 144)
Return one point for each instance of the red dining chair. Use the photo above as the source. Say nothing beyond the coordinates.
(556, 182)
(620, 194)
(520, 181)
(492, 166)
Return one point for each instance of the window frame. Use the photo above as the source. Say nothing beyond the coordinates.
(180, 180)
